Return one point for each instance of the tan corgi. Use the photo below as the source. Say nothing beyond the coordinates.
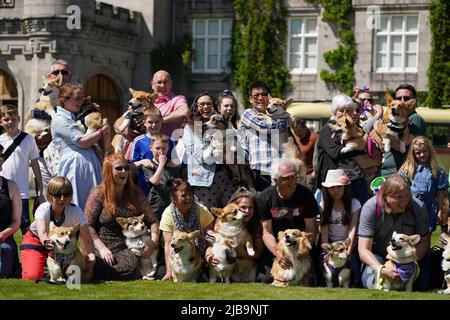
(335, 264)
(185, 257)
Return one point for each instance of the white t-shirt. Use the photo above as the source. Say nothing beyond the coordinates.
(16, 166)
(337, 231)
(72, 213)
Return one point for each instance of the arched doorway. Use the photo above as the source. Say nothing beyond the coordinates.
(8, 89)
(103, 91)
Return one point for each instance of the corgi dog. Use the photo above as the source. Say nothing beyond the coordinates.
(401, 257)
(352, 134)
(65, 254)
(395, 123)
(230, 225)
(136, 235)
(49, 98)
(139, 101)
(445, 240)
(291, 151)
(223, 249)
(277, 107)
(185, 258)
(295, 247)
(335, 267)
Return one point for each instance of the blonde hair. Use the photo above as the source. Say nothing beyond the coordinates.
(8, 110)
(161, 138)
(410, 164)
(66, 91)
(394, 186)
(59, 185)
(152, 112)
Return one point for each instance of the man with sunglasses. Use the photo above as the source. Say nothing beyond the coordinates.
(417, 127)
(260, 134)
(60, 66)
(284, 205)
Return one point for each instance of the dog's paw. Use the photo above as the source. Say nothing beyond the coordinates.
(346, 149)
(149, 278)
(250, 252)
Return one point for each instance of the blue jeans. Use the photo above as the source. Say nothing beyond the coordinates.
(8, 258)
(25, 219)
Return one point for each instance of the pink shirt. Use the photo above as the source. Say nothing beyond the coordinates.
(166, 106)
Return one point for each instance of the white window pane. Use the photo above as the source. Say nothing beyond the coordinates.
(381, 60)
(396, 43)
(296, 26)
(397, 24)
(199, 28)
(384, 23)
(311, 25)
(311, 62)
(226, 27)
(411, 61)
(310, 45)
(296, 45)
(213, 53)
(411, 23)
(226, 46)
(411, 44)
(199, 59)
(213, 46)
(225, 53)
(381, 44)
(294, 61)
(213, 27)
(225, 59)
(396, 60)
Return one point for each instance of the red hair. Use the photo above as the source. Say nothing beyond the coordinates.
(130, 192)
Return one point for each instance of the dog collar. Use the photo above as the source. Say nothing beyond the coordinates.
(395, 126)
(63, 259)
(406, 271)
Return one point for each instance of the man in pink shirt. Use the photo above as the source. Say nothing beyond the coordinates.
(173, 108)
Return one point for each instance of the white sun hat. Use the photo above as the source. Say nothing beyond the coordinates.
(336, 177)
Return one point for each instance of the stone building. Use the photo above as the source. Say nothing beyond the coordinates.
(111, 50)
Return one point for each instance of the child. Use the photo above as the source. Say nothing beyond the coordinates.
(340, 214)
(160, 171)
(15, 166)
(368, 112)
(428, 181)
(141, 150)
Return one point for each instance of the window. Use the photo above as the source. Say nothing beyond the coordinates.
(302, 45)
(212, 45)
(396, 44)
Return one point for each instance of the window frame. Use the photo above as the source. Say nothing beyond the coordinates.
(404, 54)
(302, 36)
(206, 37)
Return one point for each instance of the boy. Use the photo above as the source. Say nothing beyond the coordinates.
(142, 154)
(16, 165)
(157, 175)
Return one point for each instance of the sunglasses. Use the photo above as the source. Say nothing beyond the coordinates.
(59, 195)
(288, 178)
(227, 92)
(122, 168)
(405, 98)
(263, 94)
(63, 72)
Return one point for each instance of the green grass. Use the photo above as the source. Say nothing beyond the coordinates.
(157, 290)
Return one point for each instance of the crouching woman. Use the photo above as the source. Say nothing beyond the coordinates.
(392, 209)
(36, 244)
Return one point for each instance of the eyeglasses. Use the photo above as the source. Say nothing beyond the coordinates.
(122, 168)
(257, 95)
(288, 178)
(59, 195)
(405, 98)
(63, 72)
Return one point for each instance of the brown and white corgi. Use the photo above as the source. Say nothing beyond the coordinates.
(185, 258)
(335, 264)
(223, 250)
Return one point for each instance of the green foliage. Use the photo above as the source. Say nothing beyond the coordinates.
(172, 57)
(339, 14)
(439, 68)
(258, 45)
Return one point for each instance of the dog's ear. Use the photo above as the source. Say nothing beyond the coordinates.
(122, 222)
(141, 217)
(44, 79)
(280, 235)
(216, 211)
(194, 235)
(327, 247)
(51, 226)
(75, 227)
(414, 239)
(388, 99)
(410, 104)
(309, 236)
(394, 234)
(132, 91)
(288, 102)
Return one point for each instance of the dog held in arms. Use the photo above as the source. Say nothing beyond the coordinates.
(137, 234)
(185, 258)
(230, 226)
(402, 258)
(65, 254)
(335, 264)
(223, 249)
(295, 247)
(445, 240)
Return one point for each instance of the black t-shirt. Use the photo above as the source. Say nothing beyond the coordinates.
(287, 214)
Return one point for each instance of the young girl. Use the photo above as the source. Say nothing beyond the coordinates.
(428, 181)
(340, 216)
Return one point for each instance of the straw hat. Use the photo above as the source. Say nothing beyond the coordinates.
(336, 177)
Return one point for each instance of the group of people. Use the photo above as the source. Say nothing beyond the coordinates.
(165, 173)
